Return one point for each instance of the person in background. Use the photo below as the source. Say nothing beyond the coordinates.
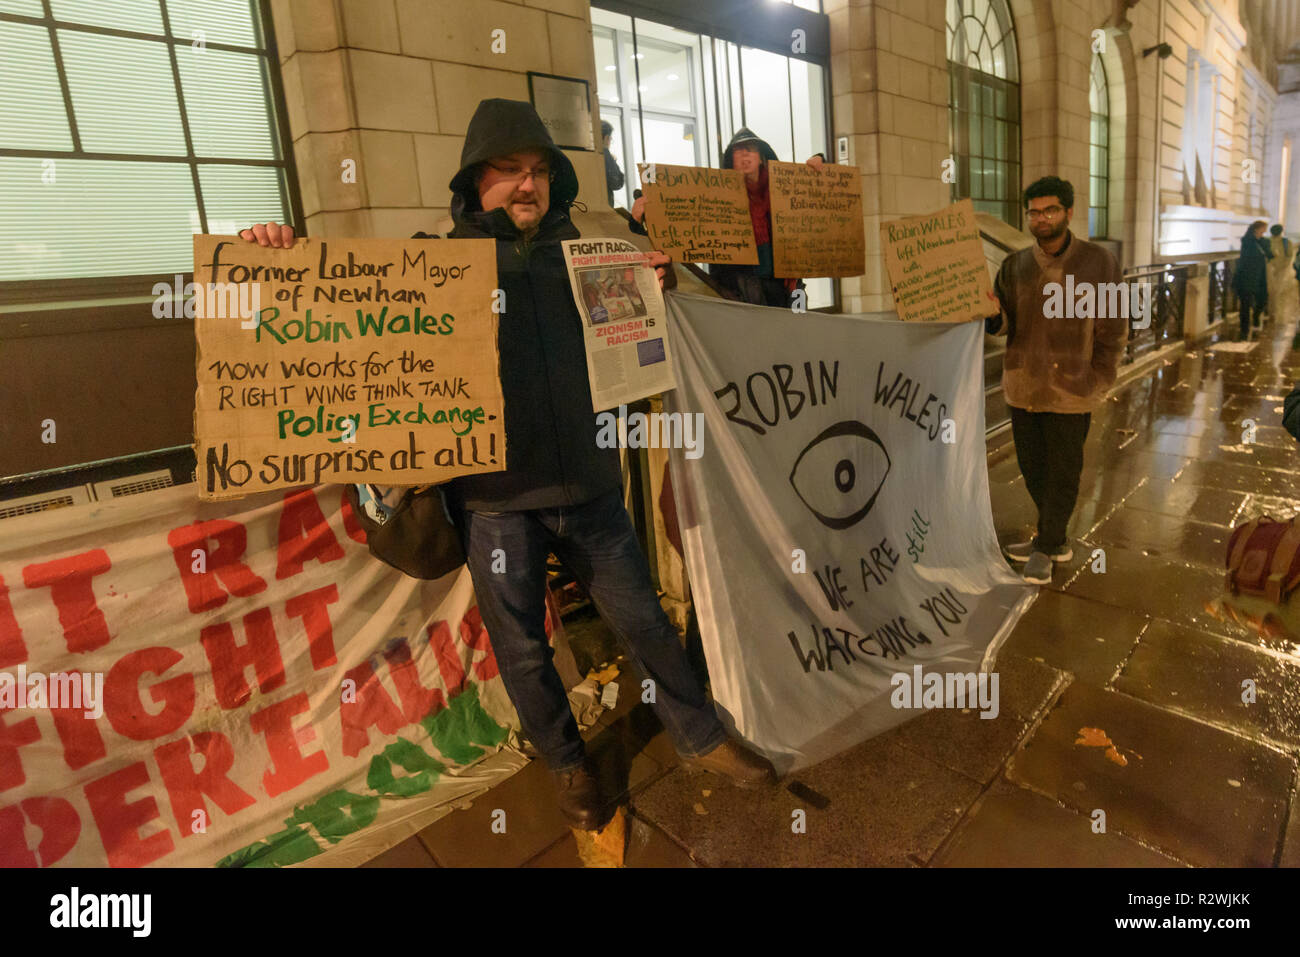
(753, 284)
(613, 174)
(1280, 246)
(1056, 371)
(1250, 281)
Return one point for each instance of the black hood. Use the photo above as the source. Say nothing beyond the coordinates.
(502, 127)
(746, 135)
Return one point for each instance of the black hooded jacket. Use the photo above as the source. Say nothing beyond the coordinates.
(1251, 275)
(551, 452)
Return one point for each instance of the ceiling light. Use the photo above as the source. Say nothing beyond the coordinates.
(673, 76)
(611, 67)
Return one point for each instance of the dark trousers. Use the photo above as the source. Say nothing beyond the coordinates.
(1049, 448)
(506, 553)
(1247, 303)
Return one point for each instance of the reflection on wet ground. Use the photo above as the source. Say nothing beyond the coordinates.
(1202, 712)
(1173, 462)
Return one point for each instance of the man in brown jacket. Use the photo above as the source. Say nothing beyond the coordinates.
(1065, 312)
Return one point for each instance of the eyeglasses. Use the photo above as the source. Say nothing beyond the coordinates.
(1051, 212)
(516, 174)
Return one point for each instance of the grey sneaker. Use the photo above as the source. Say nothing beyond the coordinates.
(1021, 551)
(1038, 570)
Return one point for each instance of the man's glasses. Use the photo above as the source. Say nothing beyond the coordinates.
(517, 174)
(1051, 212)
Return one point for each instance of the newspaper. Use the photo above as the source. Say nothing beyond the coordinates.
(623, 325)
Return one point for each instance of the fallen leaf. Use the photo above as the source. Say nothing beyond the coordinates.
(603, 848)
(1097, 738)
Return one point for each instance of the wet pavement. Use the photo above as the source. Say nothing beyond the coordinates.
(1120, 692)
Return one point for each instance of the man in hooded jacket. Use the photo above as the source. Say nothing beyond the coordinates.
(561, 492)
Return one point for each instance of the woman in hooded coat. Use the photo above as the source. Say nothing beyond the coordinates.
(1250, 281)
(757, 284)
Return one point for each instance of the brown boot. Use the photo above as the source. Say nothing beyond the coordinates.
(578, 795)
(737, 764)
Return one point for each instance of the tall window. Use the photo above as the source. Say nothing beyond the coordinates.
(1098, 151)
(127, 127)
(984, 106)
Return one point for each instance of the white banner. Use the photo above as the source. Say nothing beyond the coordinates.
(251, 687)
(837, 531)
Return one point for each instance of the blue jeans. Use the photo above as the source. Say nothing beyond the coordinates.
(506, 554)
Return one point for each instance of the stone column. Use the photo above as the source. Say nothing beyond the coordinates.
(889, 76)
(380, 92)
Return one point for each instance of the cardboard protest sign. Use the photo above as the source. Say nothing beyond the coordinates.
(816, 220)
(237, 684)
(838, 534)
(697, 214)
(936, 266)
(361, 360)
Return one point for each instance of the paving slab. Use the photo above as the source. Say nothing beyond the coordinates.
(1013, 827)
(621, 754)
(533, 822)
(1157, 535)
(1202, 675)
(1192, 791)
(1089, 639)
(881, 805)
(1242, 478)
(410, 853)
(1152, 586)
(1183, 500)
(964, 741)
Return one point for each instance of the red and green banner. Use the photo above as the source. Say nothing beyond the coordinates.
(233, 684)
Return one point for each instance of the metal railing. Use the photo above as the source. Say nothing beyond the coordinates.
(1167, 304)
(1222, 298)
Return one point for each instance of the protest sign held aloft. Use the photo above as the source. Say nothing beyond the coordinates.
(817, 220)
(697, 214)
(345, 360)
(936, 266)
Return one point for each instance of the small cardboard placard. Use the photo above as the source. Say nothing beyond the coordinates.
(936, 266)
(696, 214)
(817, 225)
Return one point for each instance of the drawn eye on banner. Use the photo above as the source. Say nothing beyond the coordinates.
(853, 453)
